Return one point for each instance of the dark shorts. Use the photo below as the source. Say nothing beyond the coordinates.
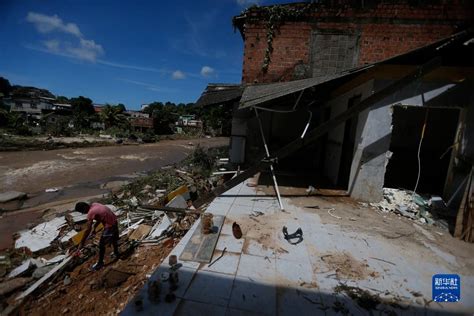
(110, 235)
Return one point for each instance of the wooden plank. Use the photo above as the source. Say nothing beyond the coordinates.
(38, 283)
(322, 129)
(464, 219)
(200, 247)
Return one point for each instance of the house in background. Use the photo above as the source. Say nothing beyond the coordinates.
(323, 59)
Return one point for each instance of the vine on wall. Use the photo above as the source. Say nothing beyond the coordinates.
(274, 17)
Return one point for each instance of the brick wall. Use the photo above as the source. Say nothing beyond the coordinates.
(384, 31)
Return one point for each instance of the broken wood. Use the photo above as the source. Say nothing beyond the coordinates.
(464, 228)
(48, 275)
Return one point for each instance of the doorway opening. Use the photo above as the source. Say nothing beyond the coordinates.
(435, 154)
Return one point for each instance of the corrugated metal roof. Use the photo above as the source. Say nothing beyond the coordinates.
(257, 94)
(217, 93)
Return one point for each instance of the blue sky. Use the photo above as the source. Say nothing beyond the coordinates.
(129, 52)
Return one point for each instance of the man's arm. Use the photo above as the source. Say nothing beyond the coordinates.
(86, 233)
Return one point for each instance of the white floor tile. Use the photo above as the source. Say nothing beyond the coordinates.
(294, 273)
(227, 264)
(230, 242)
(254, 296)
(187, 308)
(210, 287)
(255, 267)
(253, 247)
(239, 210)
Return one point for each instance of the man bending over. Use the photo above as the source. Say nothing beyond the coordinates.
(100, 214)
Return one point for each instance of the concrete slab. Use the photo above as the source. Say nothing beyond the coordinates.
(199, 309)
(253, 295)
(256, 267)
(210, 287)
(230, 242)
(227, 264)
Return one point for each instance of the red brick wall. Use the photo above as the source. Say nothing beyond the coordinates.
(385, 31)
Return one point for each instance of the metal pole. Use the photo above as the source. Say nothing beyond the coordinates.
(268, 156)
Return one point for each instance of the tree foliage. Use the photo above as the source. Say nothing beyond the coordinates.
(82, 112)
(5, 86)
(112, 115)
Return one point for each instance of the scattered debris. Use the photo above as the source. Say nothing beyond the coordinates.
(13, 284)
(11, 195)
(414, 206)
(146, 237)
(347, 267)
(41, 236)
(298, 234)
(51, 190)
(329, 212)
(140, 232)
(236, 231)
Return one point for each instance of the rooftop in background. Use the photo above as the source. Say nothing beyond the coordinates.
(218, 93)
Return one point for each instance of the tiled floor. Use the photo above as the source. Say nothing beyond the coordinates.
(262, 274)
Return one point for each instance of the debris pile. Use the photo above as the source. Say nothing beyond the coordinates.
(413, 206)
(45, 261)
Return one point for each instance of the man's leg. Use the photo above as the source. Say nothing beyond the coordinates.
(101, 249)
(100, 263)
(115, 239)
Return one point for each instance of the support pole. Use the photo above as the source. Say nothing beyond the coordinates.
(268, 156)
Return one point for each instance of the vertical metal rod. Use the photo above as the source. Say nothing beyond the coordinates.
(268, 156)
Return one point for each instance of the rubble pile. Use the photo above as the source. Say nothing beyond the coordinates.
(44, 266)
(412, 206)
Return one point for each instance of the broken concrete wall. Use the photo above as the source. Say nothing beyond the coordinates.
(336, 136)
(375, 125)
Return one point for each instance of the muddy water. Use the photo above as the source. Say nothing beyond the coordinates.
(80, 173)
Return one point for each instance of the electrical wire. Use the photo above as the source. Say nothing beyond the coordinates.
(419, 148)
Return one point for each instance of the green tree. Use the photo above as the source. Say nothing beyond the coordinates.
(82, 104)
(5, 86)
(121, 107)
(112, 116)
(62, 99)
(82, 111)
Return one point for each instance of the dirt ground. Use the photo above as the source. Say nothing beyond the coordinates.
(86, 296)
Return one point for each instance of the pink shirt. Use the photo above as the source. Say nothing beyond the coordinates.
(102, 214)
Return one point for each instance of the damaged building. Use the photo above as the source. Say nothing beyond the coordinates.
(308, 67)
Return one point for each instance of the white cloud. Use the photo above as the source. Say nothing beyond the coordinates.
(81, 48)
(207, 71)
(52, 45)
(87, 50)
(178, 74)
(133, 67)
(148, 86)
(245, 3)
(48, 24)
